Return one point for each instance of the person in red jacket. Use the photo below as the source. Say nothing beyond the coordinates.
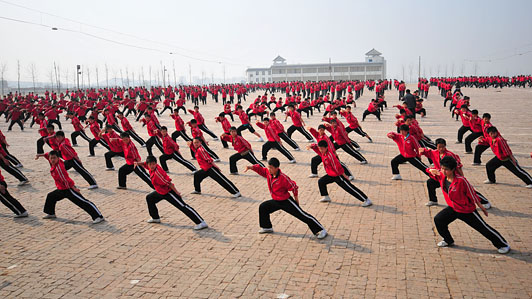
(16, 117)
(279, 185)
(297, 124)
(435, 155)
(165, 189)
(465, 114)
(171, 151)
(316, 160)
(243, 148)
(10, 157)
(208, 169)
(462, 201)
(279, 129)
(126, 127)
(115, 146)
(273, 141)
(483, 144)
(503, 157)
(66, 188)
(335, 174)
(9, 201)
(78, 129)
(226, 125)
(131, 155)
(196, 133)
(354, 125)
(408, 151)
(244, 119)
(71, 159)
(179, 127)
(153, 132)
(373, 108)
(201, 122)
(475, 123)
(95, 130)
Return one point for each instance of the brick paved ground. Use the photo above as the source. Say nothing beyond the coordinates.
(387, 250)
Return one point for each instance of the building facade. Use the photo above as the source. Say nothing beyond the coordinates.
(373, 68)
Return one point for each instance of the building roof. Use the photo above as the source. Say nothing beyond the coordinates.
(279, 58)
(373, 52)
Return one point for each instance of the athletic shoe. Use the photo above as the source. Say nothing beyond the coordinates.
(326, 198)
(18, 165)
(292, 161)
(397, 177)
(431, 203)
(351, 178)
(266, 231)
(364, 162)
(487, 206)
(322, 234)
(234, 173)
(264, 159)
(504, 250)
(476, 164)
(22, 183)
(144, 145)
(98, 220)
(236, 195)
(458, 142)
(154, 220)
(215, 139)
(488, 182)
(25, 214)
(195, 192)
(121, 188)
(260, 139)
(442, 243)
(529, 186)
(370, 140)
(469, 153)
(312, 175)
(49, 216)
(216, 160)
(297, 149)
(89, 155)
(92, 187)
(110, 169)
(367, 203)
(311, 141)
(201, 226)
(74, 145)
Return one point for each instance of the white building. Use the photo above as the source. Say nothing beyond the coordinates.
(373, 68)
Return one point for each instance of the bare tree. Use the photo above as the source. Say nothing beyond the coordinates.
(175, 79)
(51, 77)
(66, 78)
(107, 75)
(97, 79)
(32, 69)
(150, 75)
(127, 77)
(122, 77)
(410, 70)
(18, 75)
(89, 76)
(3, 69)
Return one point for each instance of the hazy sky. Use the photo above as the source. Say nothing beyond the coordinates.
(242, 34)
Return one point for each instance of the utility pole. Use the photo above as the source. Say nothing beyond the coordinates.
(419, 68)
(189, 74)
(78, 72)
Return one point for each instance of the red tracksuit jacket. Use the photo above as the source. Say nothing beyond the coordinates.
(461, 196)
(279, 185)
(408, 146)
(330, 162)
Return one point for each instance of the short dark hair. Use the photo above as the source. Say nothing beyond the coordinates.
(404, 128)
(486, 115)
(151, 159)
(475, 112)
(54, 153)
(222, 114)
(492, 130)
(464, 106)
(164, 128)
(193, 121)
(323, 143)
(448, 162)
(440, 141)
(272, 114)
(232, 129)
(50, 126)
(60, 133)
(321, 127)
(274, 162)
(124, 135)
(266, 119)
